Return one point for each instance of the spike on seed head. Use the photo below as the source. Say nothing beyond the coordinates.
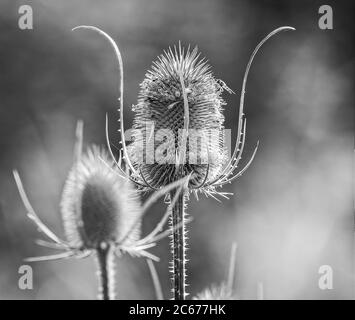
(177, 76)
(97, 206)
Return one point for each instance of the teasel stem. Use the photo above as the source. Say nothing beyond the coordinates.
(106, 272)
(179, 246)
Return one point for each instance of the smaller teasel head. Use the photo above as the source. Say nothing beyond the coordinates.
(178, 128)
(101, 209)
(98, 207)
(102, 215)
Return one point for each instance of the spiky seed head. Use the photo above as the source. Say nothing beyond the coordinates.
(161, 103)
(98, 206)
(221, 292)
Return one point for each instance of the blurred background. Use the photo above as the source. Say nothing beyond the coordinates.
(292, 211)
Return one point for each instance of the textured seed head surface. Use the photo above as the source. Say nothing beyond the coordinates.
(161, 103)
(98, 206)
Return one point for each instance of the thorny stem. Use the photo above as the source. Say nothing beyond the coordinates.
(179, 247)
(106, 272)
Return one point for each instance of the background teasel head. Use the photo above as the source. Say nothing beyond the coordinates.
(101, 213)
(226, 290)
(97, 206)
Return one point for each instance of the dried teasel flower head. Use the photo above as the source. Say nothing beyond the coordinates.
(97, 207)
(178, 96)
(100, 208)
(180, 101)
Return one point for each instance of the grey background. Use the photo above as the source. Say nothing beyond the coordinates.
(292, 210)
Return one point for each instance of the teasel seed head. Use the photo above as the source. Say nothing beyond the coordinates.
(176, 80)
(98, 207)
(181, 93)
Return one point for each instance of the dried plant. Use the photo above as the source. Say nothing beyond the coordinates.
(224, 291)
(180, 94)
(101, 214)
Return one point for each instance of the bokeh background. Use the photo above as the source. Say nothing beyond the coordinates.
(292, 211)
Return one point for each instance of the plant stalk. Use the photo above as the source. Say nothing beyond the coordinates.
(179, 246)
(106, 272)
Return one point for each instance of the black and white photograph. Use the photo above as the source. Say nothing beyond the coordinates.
(177, 150)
